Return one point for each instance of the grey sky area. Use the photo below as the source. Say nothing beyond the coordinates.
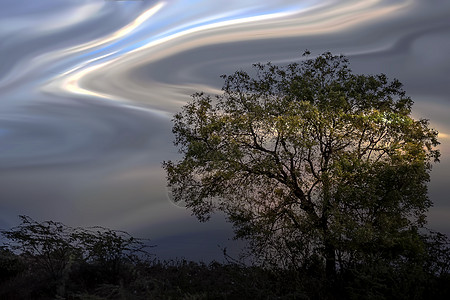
(88, 88)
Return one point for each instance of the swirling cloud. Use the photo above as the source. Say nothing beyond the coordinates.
(110, 75)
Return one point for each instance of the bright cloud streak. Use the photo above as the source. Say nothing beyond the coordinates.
(293, 21)
(121, 33)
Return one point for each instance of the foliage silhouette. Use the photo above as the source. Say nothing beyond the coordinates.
(62, 254)
(311, 163)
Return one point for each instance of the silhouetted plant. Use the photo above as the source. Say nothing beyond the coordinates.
(58, 256)
(109, 251)
(10, 264)
(49, 245)
(308, 161)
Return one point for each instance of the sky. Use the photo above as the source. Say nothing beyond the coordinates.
(88, 89)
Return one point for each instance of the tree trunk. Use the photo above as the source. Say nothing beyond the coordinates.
(330, 260)
(329, 249)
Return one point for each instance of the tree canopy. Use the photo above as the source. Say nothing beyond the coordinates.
(311, 163)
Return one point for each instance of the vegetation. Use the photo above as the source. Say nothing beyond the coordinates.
(316, 167)
(49, 260)
(322, 171)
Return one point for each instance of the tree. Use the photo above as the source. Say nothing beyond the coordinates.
(53, 247)
(310, 163)
(110, 251)
(48, 245)
(51, 260)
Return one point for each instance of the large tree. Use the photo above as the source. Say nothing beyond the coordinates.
(310, 162)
